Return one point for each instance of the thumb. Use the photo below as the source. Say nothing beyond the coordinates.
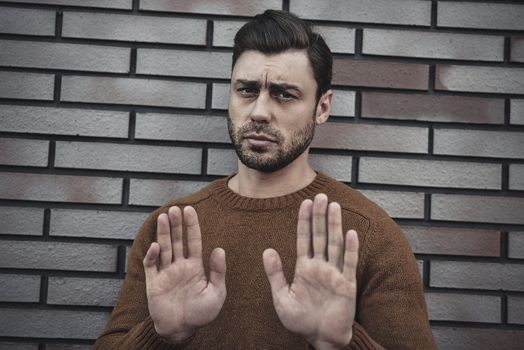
(274, 272)
(217, 263)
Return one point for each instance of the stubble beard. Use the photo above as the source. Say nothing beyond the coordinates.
(262, 159)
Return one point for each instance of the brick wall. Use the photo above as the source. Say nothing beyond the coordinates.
(108, 108)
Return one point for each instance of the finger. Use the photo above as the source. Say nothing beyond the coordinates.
(151, 260)
(175, 221)
(320, 204)
(351, 256)
(194, 237)
(217, 264)
(335, 238)
(164, 240)
(304, 229)
(274, 272)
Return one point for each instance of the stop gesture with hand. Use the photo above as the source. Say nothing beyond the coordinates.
(320, 302)
(180, 297)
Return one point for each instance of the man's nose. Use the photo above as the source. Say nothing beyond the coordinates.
(261, 109)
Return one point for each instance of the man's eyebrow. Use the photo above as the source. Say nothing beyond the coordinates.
(283, 86)
(247, 82)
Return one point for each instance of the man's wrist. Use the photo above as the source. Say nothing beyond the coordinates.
(324, 345)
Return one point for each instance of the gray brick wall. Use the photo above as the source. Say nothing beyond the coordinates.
(109, 108)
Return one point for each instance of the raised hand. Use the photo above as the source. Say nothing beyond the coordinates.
(180, 297)
(320, 303)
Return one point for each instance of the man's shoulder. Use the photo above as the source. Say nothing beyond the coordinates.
(197, 197)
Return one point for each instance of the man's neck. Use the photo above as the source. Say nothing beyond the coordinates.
(256, 184)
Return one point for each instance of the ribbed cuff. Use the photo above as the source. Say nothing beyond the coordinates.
(149, 339)
(361, 340)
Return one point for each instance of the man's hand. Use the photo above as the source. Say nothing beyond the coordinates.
(320, 303)
(180, 297)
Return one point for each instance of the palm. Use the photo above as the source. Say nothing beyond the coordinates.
(320, 302)
(180, 297)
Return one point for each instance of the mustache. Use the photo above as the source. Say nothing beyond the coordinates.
(260, 128)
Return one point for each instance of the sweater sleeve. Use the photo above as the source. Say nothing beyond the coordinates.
(130, 326)
(391, 311)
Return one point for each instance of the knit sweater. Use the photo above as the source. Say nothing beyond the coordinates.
(391, 312)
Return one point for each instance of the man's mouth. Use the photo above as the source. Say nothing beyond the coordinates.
(259, 140)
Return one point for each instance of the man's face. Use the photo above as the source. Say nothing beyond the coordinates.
(272, 108)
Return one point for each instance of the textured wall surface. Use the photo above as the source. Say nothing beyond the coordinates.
(108, 108)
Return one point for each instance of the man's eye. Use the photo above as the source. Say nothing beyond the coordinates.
(247, 92)
(284, 96)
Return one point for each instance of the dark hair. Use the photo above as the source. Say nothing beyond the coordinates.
(277, 31)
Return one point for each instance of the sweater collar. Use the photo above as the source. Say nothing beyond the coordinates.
(227, 197)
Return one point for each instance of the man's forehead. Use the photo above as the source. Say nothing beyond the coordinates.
(289, 67)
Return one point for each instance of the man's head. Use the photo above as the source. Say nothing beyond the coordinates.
(280, 89)
(277, 31)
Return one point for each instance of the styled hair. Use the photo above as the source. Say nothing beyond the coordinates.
(275, 31)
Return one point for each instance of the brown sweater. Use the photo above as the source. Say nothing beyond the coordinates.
(390, 304)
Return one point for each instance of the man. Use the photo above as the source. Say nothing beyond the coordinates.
(294, 280)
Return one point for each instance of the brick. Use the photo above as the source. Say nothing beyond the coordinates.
(22, 221)
(517, 49)
(435, 108)
(60, 188)
(18, 346)
(371, 137)
(115, 4)
(452, 241)
(463, 307)
(134, 91)
(58, 256)
(517, 112)
(64, 121)
(516, 177)
(406, 205)
(110, 156)
(339, 39)
(176, 127)
(495, 209)
(343, 103)
(220, 96)
(184, 63)
(67, 347)
(159, 192)
(433, 173)
(515, 310)
(225, 7)
(224, 32)
(477, 275)
(479, 143)
(353, 72)
(50, 323)
(479, 15)
(95, 223)
(516, 245)
(24, 152)
(480, 79)
(221, 162)
(83, 291)
(461, 338)
(19, 288)
(62, 56)
(27, 21)
(224, 162)
(134, 28)
(32, 86)
(378, 11)
(338, 167)
(433, 45)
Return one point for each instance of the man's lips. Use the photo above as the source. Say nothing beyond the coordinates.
(259, 140)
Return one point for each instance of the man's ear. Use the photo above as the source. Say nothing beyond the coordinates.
(323, 107)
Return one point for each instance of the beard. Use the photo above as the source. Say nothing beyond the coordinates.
(262, 159)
